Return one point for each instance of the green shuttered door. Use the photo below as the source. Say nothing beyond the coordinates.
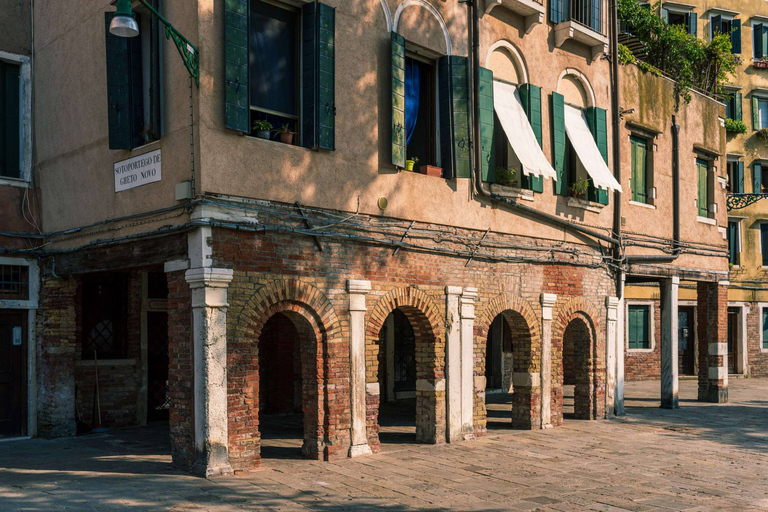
(638, 327)
(558, 143)
(318, 82)
(10, 95)
(486, 121)
(398, 100)
(454, 116)
(530, 96)
(596, 118)
(237, 115)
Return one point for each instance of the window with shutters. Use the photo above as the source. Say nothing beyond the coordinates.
(733, 105)
(761, 114)
(735, 183)
(734, 242)
(764, 327)
(760, 172)
(764, 242)
(705, 186)
(640, 326)
(759, 40)
(726, 24)
(641, 153)
(15, 113)
(104, 316)
(134, 83)
(686, 19)
(421, 117)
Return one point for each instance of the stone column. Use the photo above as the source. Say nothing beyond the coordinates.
(453, 354)
(468, 359)
(712, 312)
(547, 303)
(209, 338)
(669, 334)
(357, 309)
(612, 307)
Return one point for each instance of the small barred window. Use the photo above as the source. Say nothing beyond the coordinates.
(14, 282)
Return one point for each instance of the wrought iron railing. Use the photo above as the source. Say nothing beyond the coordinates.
(588, 13)
(739, 201)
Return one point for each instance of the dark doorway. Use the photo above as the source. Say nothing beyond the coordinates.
(158, 400)
(13, 389)
(685, 341)
(733, 338)
(397, 380)
(281, 421)
(576, 368)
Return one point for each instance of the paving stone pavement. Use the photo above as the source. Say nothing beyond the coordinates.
(700, 457)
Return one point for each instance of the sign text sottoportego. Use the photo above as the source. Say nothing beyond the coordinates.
(137, 171)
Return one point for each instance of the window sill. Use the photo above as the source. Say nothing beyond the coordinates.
(583, 204)
(14, 182)
(642, 205)
(87, 363)
(759, 63)
(512, 192)
(570, 29)
(270, 141)
(706, 220)
(145, 146)
(640, 350)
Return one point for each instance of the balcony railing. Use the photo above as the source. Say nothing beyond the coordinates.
(588, 13)
(583, 21)
(739, 201)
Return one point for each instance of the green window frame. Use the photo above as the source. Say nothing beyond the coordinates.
(639, 177)
(764, 242)
(764, 330)
(734, 242)
(639, 327)
(702, 167)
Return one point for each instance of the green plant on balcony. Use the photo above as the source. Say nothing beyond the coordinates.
(733, 126)
(578, 189)
(691, 62)
(506, 176)
(762, 135)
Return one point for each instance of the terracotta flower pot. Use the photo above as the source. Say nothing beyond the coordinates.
(286, 137)
(431, 170)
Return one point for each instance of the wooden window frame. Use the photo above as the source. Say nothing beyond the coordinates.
(651, 326)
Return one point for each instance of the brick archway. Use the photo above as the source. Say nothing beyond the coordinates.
(321, 341)
(424, 316)
(577, 324)
(525, 332)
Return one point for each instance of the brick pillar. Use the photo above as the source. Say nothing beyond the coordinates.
(547, 303)
(357, 309)
(209, 334)
(669, 333)
(611, 343)
(713, 341)
(56, 331)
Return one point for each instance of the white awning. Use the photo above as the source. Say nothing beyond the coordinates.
(584, 144)
(509, 108)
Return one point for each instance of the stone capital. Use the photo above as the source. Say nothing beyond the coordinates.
(209, 286)
(612, 304)
(453, 290)
(358, 286)
(723, 283)
(547, 303)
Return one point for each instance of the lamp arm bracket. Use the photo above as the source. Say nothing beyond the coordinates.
(189, 52)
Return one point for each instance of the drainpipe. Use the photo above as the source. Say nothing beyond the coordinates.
(675, 205)
(482, 188)
(616, 112)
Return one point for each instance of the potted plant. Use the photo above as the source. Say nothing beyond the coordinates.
(285, 134)
(506, 176)
(410, 163)
(579, 188)
(263, 128)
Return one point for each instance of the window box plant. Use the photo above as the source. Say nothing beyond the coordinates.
(578, 189)
(734, 126)
(285, 134)
(409, 164)
(431, 170)
(263, 129)
(506, 176)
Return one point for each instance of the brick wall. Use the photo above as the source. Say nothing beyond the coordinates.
(182, 420)
(757, 358)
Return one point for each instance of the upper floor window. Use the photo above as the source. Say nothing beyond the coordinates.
(734, 241)
(134, 83)
(759, 40)
(681, 17)
(759, 112)
(10, 120)
(726, 24)
(764, 242)
(421, 134)
(640, 154)
(733, 105)
(705, 175)
(759, 177)
(735, 183)
(280, 71)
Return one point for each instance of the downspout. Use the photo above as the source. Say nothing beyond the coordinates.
(481, 188)
(616, 112)
(675, 205)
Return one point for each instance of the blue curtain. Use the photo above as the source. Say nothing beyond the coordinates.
(412, 91)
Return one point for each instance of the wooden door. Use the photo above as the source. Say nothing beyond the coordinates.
(13, 396)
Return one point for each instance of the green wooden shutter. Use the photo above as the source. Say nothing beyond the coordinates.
(236, 102)
(765, 328)
(558, 143)
(757, 178)
(596, 119)
(764, 242)
(486, 121)
(124, 89)
(454, 116)
(702, 201)
(739, 177)
(556, 14)
(638, 327)
(733, 243)
(738, 110)
(715, 25)
(398, 100)
(639, 169)
(757, 40)
(318, 77)
(755, 113)
(693, 24)
(530, 96)
(736, 36)
(10, 121)
(665, 15)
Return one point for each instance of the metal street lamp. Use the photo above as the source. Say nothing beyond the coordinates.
(124, 25)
